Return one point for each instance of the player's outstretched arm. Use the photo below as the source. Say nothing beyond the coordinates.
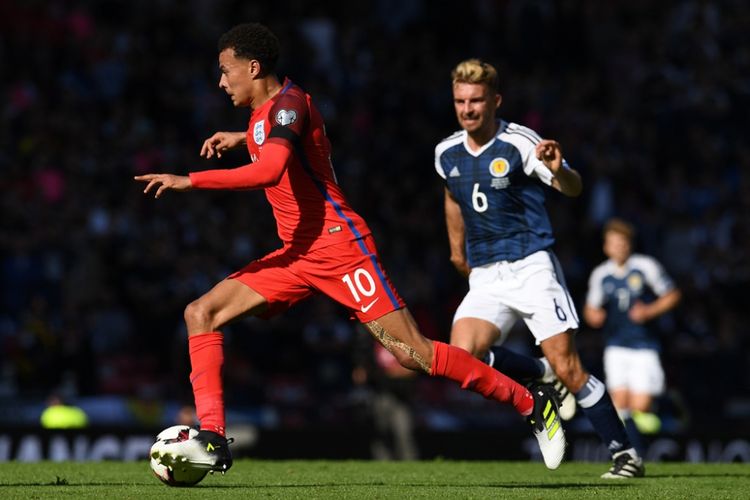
(222, 141)
(162, 182)
(266, 172)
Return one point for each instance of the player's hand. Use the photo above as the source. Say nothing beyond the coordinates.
(165, 181)
(639, 313)
(594, 316)
(550, 153)
(462, 266)
(220, 142)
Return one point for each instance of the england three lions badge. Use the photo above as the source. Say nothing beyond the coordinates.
(259, 133)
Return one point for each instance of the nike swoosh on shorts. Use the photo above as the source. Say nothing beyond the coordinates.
(366, 308)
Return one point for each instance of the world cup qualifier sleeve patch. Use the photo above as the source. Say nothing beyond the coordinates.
(286, 117)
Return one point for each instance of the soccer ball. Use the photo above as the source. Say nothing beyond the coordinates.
(179, 475)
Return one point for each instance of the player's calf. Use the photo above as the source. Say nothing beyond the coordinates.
(407, 355)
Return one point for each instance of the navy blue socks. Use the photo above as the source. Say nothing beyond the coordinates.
(597, 406)
(514, 365)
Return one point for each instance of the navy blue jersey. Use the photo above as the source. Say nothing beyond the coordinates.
(615, 289)
(500, 194)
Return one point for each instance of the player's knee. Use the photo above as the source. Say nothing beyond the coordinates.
(474, 336)
(197, 316)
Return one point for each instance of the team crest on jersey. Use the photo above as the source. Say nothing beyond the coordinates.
(286, 117)
(635, 282)
(499, 168)
(259, 133)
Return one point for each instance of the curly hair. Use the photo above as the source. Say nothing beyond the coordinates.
(252, 41)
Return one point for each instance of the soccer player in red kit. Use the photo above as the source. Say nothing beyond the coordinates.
(327, 248)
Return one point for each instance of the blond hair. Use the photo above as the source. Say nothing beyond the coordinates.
(475, 71)
(619, 226)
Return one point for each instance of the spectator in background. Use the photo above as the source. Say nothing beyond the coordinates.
(391, 404)
(627, 294)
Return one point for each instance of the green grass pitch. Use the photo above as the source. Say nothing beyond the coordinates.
(364, 479)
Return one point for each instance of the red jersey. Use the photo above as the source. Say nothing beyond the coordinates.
(310, 208)
(292, 161)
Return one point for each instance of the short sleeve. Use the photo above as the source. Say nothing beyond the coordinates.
(595, 294)
(656, 277)
(525, 140)
(288, 117)
(438, 165)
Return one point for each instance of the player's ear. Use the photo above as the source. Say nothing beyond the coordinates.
(498, 100)
(254, 68)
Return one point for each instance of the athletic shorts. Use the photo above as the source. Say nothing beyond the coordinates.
(350, 273)
(532, 289)
(637, 370)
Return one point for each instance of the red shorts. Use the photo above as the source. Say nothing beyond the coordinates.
(350, 273)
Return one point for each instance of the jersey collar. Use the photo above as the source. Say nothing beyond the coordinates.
(500, 127)
(267, 105)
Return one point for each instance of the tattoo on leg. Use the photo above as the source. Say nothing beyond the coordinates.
(392, 344)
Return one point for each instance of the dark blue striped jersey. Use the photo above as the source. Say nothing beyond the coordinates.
(500, 194)
(615, 289)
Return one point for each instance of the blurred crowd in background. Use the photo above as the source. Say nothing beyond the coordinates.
(648, 99)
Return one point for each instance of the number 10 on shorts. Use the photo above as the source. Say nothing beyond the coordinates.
(360, 282)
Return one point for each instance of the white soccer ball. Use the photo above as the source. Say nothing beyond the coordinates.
(179, 475)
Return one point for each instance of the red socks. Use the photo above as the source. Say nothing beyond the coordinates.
(207, 359)
(458, 365)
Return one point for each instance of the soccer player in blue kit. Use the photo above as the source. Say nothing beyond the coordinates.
(626, 293)
(500, 236)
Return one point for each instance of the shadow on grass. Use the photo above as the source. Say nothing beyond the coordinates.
(335, 485)
(426, 485)
(700, 474)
